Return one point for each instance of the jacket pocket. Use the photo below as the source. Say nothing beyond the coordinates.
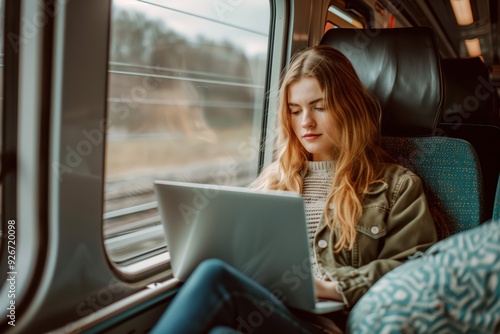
(372, 223)
(371, 230)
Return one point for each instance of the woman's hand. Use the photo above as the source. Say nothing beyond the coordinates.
(327, 290)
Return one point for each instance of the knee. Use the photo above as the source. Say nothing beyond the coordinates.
(212, 270)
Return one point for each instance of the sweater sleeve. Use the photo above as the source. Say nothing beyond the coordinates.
(409, 229)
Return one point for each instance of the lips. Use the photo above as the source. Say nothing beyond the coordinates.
(310, 136)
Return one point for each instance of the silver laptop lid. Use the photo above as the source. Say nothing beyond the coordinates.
(262, 234)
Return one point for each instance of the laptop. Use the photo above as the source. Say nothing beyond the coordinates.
(263, 234)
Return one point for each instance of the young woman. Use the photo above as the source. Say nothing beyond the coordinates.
(365, 214)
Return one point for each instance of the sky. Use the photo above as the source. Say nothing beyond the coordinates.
(245, 23)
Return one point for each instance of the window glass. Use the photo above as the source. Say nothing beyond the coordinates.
(185, 102)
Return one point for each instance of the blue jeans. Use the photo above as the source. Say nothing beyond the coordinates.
(219, 299)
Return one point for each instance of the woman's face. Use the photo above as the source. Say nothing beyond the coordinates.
(309, 118)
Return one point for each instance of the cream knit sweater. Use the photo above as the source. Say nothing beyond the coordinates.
(317, 184)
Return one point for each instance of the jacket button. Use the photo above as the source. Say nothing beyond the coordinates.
(374, 230)
(322, 243)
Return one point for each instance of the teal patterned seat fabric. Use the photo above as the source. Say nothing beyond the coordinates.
(453, 288)
(451, 174)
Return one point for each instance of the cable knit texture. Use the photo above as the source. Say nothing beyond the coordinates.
(317, 184)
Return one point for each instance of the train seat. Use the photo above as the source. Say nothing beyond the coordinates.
(470, 96)
(469, 114)
(402, 68)
(453, 288)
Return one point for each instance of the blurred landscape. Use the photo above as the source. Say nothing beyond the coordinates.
(178, 108)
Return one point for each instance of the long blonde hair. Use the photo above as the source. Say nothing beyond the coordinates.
(354, 119)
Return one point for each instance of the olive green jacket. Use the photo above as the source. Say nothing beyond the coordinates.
(395, 224)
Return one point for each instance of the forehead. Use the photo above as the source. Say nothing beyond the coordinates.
(304, 90)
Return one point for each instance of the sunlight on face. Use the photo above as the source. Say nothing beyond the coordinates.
(309, 118)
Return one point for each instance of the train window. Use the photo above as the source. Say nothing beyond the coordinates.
(186, 85)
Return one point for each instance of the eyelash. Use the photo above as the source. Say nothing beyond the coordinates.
(299, 111)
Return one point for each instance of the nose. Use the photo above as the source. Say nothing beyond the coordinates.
(307, 119)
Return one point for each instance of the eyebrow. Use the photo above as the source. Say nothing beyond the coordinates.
(310, 103)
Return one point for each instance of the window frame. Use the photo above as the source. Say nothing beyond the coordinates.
(71, 283)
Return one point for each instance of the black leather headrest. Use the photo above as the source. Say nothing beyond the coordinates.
(469, 93)
(401, 66)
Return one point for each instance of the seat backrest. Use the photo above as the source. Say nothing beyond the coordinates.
(470, 95)
(402, 68)
(469, 114)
